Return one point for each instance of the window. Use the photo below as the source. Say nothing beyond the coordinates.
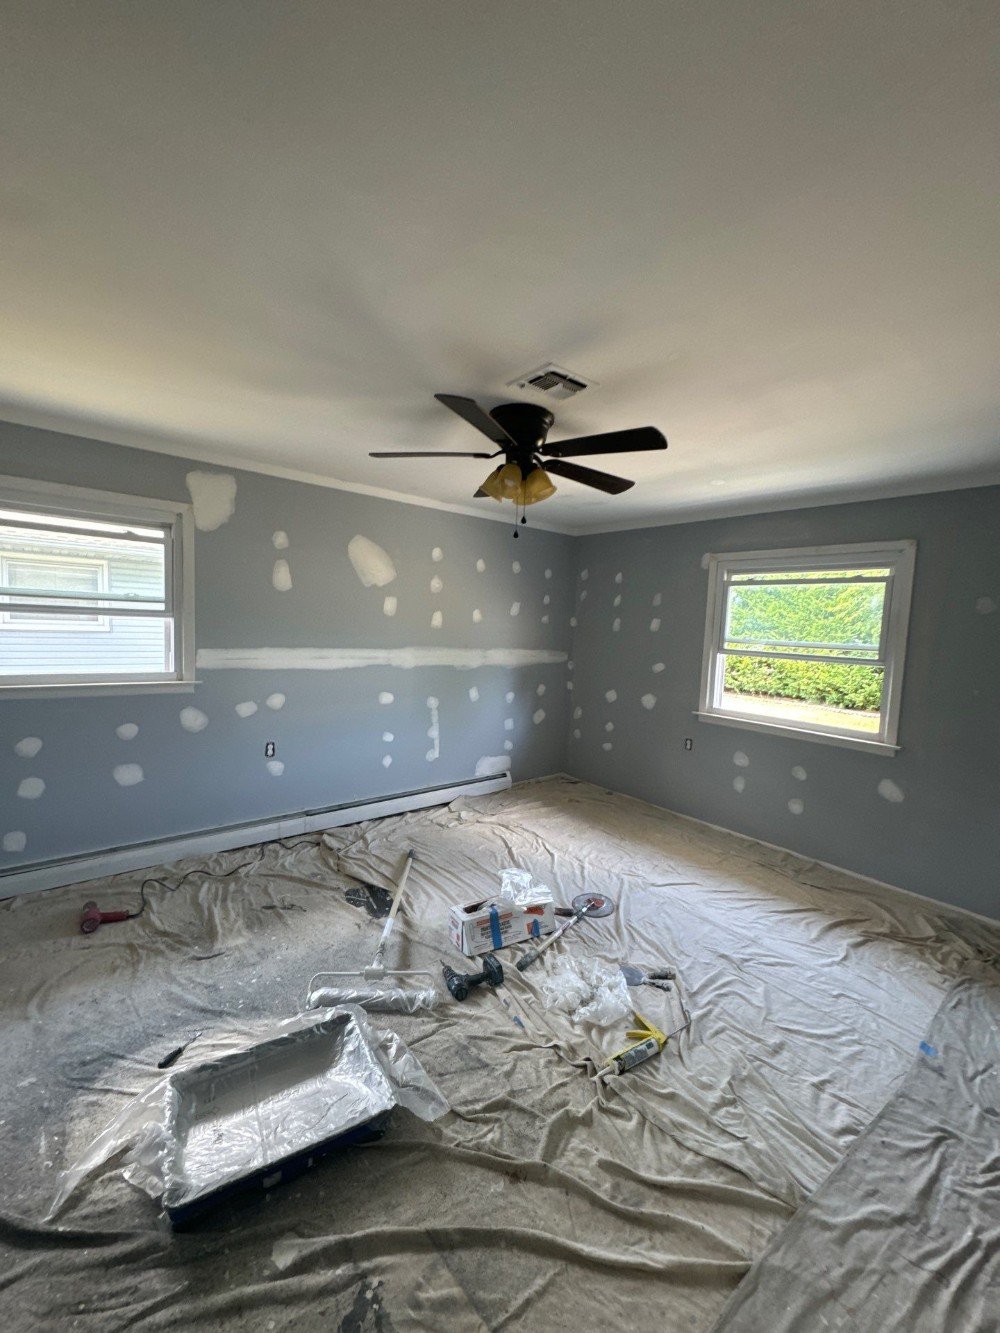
(809, 642)
(94, 590)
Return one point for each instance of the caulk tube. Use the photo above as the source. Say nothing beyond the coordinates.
(630, 1057)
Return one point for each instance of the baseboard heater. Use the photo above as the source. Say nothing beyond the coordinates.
(141, 855)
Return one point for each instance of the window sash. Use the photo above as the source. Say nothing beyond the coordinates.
(896, 557)
(125, 519)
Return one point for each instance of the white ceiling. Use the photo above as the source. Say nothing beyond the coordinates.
(268, 232)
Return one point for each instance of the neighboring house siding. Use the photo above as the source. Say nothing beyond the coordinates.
(111, 645)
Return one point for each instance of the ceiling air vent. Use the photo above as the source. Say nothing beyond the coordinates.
(552, 380)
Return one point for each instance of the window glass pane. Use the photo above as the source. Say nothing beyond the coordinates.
(133, 646)
(63, 584)
(845, 696)
(807, 613)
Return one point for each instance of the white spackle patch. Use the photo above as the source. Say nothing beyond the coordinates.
(516, 566)
(246, 709)
(569, 684)
(618, 577)
(474, 693)
(28, 747)
(15, 841)
(434, 730)
(387, 737)
(386, 760)
(127, 775)
(372, 565)
(888, 790)
(538, 716)
(654, 625)
(577, 733)
(30, 789)
(515, 608)
(508, 724)
(193, 719)
(127, 731)
(508, 746)
(385, 697)
(618, 600)
(705, 559)
(539, 690)
(281, 576)
(279, 540)
(275, 767)
(585, 574)
(389, 606)
(648, 701)
(213, 498)
(799, 773)
(611, 695)
(739, 782)
(741, 760)
(616, 624)
(796, 806)
(659, 666)
(275, 701)
(657, 598)
(437, 584)
(607, 746)
(480, 566)
(437, 620)
(572, 622)
(583, 594)
(577, 714)
(477, 616)
(546, 600)
(509, 696)
(985, 606)
(437, 555)
(545, 620)
(492, 765)
(609, 726)
(548, 573)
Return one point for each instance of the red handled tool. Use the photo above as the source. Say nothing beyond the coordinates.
(94, 917)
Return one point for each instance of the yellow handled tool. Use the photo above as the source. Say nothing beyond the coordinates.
(647, 1040)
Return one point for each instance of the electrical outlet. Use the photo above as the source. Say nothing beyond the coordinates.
(688, 743)
(269, 750)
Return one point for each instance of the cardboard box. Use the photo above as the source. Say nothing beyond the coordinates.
(484, 926)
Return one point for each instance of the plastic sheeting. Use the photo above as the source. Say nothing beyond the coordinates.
(540, 1200)
(205, 1126)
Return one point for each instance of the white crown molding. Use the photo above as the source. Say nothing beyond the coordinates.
(201, 452)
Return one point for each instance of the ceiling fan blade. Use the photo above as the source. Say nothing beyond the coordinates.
(612, 442)
(423, 453)
(469, 410)
(588, 476)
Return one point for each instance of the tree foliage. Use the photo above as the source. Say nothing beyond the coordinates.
(819, 614)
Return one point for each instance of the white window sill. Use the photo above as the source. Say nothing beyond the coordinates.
(798, 733)
(75, 689)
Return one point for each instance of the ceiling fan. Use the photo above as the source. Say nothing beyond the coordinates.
(519, 430)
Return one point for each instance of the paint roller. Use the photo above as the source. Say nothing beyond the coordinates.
(374, 987)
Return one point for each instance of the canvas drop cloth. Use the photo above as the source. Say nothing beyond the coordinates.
(541, 1200)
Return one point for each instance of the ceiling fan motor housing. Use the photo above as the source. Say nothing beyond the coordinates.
(526, 423)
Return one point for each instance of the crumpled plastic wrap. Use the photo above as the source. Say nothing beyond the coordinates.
(518, 887)
(377, 997)
(587, 989)
(207, 1125)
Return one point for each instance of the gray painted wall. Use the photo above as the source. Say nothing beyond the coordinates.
(943, 838)
(329, 731)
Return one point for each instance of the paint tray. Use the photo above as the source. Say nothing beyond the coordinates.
(254, 1117)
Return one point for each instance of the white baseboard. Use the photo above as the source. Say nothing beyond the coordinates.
(140, 856)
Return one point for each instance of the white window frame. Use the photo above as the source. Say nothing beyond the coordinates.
(93, 622)
(110, 507)
(899, 557)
